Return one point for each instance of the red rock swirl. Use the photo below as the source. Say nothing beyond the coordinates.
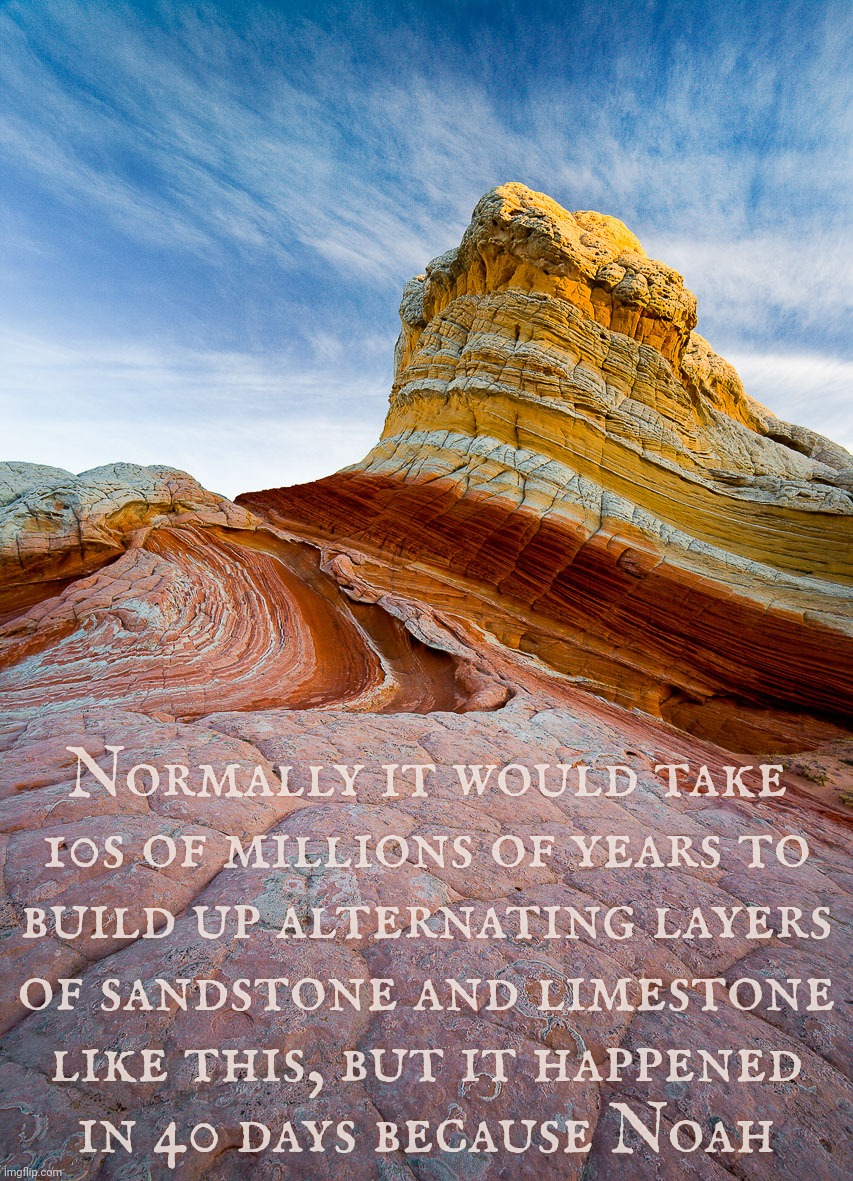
(200, 619)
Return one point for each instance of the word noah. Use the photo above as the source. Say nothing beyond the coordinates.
(319, 781)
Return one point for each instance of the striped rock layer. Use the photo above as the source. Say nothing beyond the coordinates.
(569, 465)
(135, 587)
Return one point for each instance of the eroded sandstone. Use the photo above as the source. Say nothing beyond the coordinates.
(579, 541)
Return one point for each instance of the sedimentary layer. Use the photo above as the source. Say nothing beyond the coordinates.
(184, 602)
(564, 454)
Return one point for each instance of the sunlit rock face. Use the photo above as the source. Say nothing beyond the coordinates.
(577, 542)
(576, 471)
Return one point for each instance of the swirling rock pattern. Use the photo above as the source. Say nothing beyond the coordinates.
(578, 541)
(197, 605)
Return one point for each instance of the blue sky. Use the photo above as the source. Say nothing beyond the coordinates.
(209, 210)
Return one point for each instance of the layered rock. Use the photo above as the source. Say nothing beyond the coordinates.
(568, 454)
(578, 541)
(193, 603)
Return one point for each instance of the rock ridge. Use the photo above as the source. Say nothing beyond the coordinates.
(564, 446)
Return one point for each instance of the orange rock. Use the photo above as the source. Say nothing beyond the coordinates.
(575, 471)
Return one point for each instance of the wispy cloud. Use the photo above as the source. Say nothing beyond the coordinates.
(234, 421)
(257, 182)
(792, 384)
(769, 285)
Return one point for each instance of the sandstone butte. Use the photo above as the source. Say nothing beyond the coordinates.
(578, 540)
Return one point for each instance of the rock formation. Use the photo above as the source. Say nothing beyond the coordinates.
(565, 452)
(578, 542)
